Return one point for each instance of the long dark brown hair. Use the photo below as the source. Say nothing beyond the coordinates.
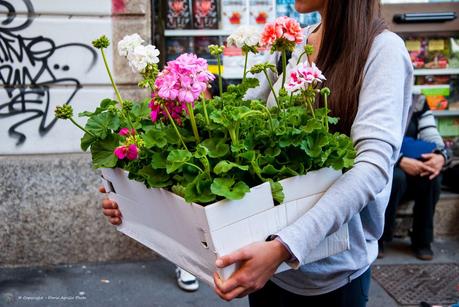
(349, 28)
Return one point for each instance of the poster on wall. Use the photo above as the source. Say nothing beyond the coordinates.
(205, 14)
(178, 14)
(234, 14)
(261, 12)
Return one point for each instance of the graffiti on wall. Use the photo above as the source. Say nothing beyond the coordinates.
(29, 73)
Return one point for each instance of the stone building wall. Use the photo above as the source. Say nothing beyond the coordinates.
(49, 205)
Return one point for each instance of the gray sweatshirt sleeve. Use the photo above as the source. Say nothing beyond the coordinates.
(377, 134)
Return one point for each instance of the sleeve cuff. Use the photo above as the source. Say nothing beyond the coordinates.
(295, 261)
(292, 261)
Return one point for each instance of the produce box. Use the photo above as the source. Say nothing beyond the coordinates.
(193, 236)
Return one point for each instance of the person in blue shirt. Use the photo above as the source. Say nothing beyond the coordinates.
(417, 177)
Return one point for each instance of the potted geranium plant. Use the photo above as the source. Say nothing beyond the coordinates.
(197, 178)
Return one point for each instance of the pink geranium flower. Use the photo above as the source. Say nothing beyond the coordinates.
(130, 152)
(270, 34)
(155, 110)
(175, 110)
(292, 31)
(303, 76)
(183, 79)
(282, 28)
(126, 131)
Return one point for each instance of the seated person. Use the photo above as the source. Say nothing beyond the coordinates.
(416, 177)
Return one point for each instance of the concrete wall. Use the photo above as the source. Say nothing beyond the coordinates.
(49, 205)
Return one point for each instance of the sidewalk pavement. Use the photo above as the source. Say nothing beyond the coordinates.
(152, 284)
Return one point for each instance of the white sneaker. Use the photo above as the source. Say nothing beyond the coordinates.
(186, 281)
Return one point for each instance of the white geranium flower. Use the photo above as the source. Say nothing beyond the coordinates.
(244, 35)
(129, 43)
(141, 56)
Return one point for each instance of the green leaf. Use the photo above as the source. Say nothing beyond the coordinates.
(171, 136)
(155, 138)
(141, 110)
(269, 170)
(102, 123)
(176, 159)
(159, 160)
(199, 190)
(227, 188)
(286, 172)
(102, 152)
(155, 178)
(333, 120)
(225, 166)
(86, 141)
(312, 124)
(219, 117)
(201, 152)
(217, 148)
(104, 104)
(313, 144)
(238, 148)
(179, 190)
(248, 155)
(277, 191)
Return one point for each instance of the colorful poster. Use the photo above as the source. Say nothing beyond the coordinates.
(261, 12)
(205, 14)
(235, 13)
(178, 14)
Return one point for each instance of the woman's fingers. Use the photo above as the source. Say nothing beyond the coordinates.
(109, 204)
(115, 220)
(102, 189)
(237, 256)
(226, 286)
(223, 291)
(112, 212)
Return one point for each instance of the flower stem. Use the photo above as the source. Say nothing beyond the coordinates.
(271, 87)
(245, 66)
(284, 67)
(309, 104)
(326, 110)
(299, 58)
(195, 166)
(269, 117)
(204, 106)
(193, 123)
(81, 127)
(220, 82)
(117, 92)
(175, 127)
(111, 78)
(233, 136)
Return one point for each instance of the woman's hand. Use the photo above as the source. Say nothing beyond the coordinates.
(110, 209)
(415, 167)
(435, 161)
(257, 263)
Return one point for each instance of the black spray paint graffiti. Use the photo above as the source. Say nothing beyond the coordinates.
(26, 74)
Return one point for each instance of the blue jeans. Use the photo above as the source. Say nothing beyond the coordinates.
(353, 294)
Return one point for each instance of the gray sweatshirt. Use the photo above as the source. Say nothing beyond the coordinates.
(360, 196)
